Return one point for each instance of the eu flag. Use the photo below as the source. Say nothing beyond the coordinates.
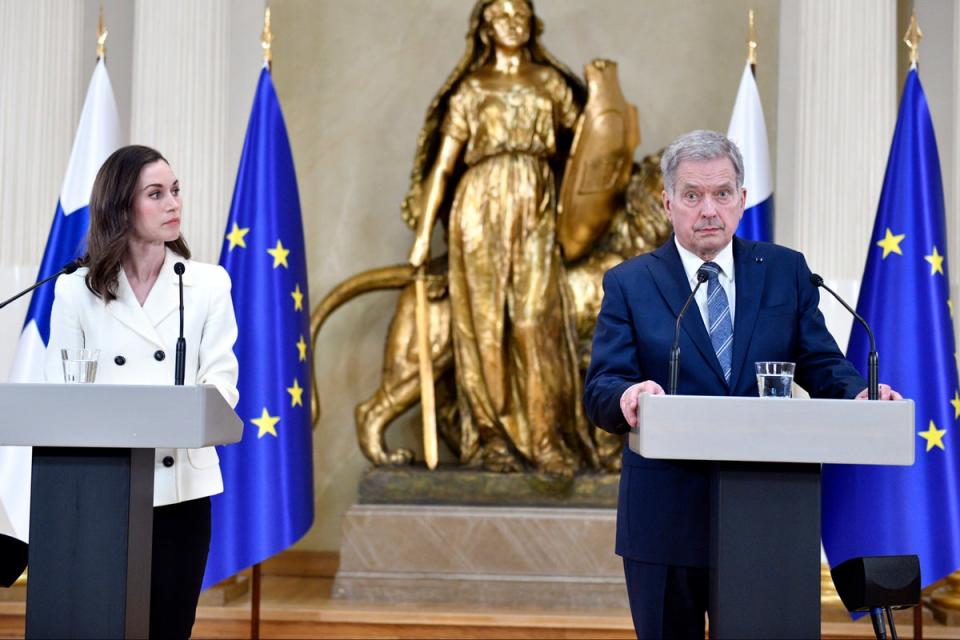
(267, 503)
(905, 296)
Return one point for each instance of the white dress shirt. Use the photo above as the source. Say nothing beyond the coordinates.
(724, 260)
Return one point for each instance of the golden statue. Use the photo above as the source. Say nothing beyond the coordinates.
(509, 321)
(513, 333)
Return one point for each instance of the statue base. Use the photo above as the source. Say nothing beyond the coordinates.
(479, 538)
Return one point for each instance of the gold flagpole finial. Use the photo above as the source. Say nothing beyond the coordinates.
(912, 38)
(266, 39)
(101, 36)
(751, 40)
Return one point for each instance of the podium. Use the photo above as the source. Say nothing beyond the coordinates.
(765, 492)
(91, 511)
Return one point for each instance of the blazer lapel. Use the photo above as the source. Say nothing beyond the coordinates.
(126, 309)
(750, 274)
(164, 298)
(671, 280)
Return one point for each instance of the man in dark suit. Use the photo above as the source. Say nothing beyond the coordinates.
(757, 305)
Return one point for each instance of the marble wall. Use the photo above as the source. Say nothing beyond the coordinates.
(355, 79)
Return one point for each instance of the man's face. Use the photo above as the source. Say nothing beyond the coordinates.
(705, 206)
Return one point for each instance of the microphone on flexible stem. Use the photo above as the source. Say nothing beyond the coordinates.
(873, 365)
(180, 368)
(70, 267)
(702, 277)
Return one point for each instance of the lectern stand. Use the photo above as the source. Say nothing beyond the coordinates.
(765, 493)
(91, 513)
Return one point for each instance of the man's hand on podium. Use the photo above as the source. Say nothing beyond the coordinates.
(886, 393)
(630, 398)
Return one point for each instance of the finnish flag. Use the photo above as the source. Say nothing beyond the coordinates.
(98, 135)
(748, 130)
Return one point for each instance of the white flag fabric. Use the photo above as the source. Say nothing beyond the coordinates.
(98, 135)
(748, 130)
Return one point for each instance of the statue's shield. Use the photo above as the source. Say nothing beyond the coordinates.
(600, 161)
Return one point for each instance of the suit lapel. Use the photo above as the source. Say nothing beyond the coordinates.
(671, 280)
(750, 274)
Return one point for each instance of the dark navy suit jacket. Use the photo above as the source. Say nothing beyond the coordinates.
(662, 515)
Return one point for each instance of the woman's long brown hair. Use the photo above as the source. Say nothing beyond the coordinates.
(111, 218)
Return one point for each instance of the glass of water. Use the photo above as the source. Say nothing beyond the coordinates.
(79, 365)
(775, 379)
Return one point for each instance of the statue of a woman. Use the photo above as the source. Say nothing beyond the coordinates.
(488, 155)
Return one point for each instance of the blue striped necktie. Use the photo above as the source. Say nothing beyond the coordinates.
(718, 317)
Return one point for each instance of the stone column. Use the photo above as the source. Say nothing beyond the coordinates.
(194, 71)
(40, 44)
(837, 109)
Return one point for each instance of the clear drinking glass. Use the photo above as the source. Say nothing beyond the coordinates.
(775, 379)
(79, 365)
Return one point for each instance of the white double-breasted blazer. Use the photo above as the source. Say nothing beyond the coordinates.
(138, 346)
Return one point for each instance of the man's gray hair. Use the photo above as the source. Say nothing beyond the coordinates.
(699, 145)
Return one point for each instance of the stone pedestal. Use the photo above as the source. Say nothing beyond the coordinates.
(529, 554)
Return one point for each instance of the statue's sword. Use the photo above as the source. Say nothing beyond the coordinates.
(425, 354)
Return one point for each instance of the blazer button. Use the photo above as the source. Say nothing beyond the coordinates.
(159, 355)
(120, 361)
(168, 461)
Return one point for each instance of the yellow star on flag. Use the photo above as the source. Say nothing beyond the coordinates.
(933, 436)
(956, 404)
(236, 237)
(266, 423)
(302, 348)
(891, 243)
(279, 255)
(297, 298)
(296, 394)
(936, 261)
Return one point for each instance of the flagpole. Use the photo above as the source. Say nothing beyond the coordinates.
(266, 43)
(944, 601)
(912, 39)
(752, 43)
(101, 37)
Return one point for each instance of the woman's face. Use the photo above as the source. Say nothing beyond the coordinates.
(156, 204)
(509, 22)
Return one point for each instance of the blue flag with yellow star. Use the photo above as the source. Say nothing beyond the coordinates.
(267, 503)
(905, 297)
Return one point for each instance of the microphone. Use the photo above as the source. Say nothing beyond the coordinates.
(702, 277)
(181, 364)
(873, 365)
(70, 267)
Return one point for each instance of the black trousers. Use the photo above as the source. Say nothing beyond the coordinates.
(181, 541)
(667, 601)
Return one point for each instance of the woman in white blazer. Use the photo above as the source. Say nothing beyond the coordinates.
(125, 302)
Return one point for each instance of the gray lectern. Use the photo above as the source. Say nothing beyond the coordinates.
(765, 493)
(91, 511)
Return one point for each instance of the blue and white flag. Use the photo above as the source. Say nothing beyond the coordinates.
(267, 503)
(98, 135)
(748, 130)
(905, 296)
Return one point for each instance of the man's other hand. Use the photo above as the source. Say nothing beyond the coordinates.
(630, 397)
(886, 393)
